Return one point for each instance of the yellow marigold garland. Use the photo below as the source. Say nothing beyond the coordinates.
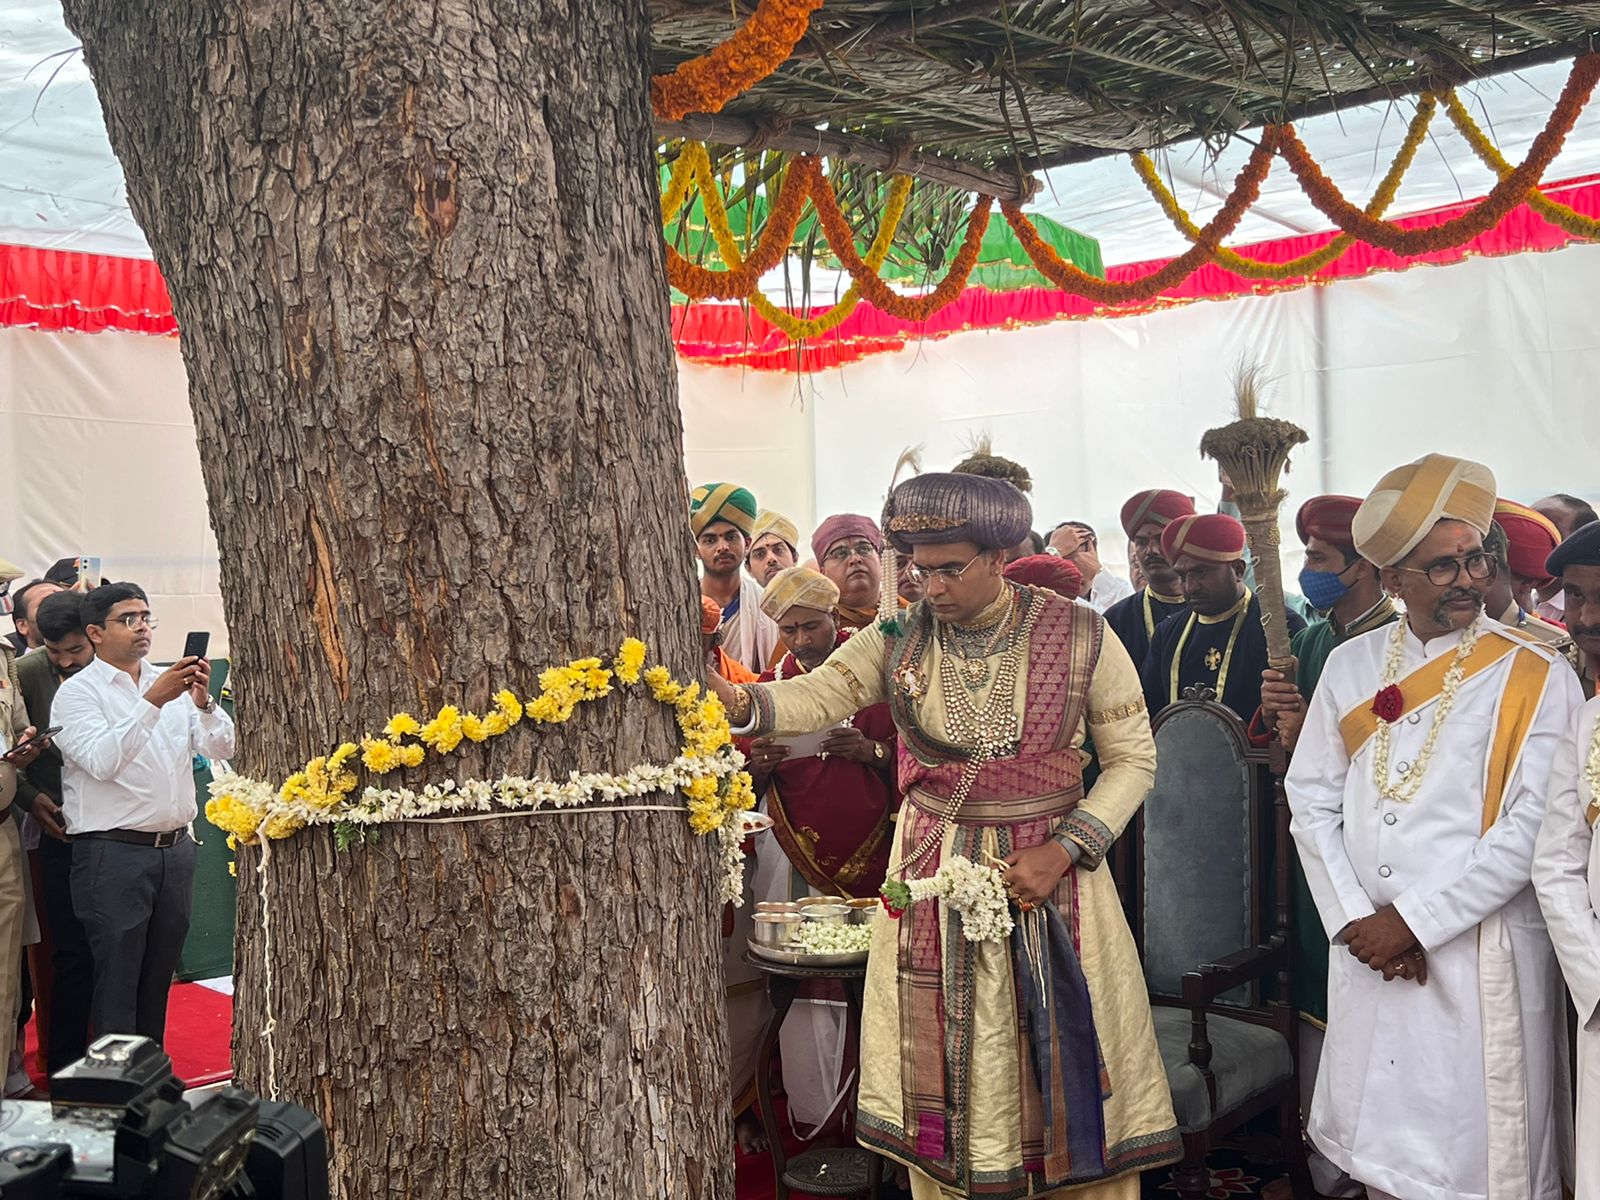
(1306, 264)
(326, 787)
(694, 165)
(1563, 217)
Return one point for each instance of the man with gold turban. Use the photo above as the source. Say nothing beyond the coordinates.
(722, 517)
(774, 546)
(1219, 644)
(1025, 1062)
(1417, 787)
(1135, 618)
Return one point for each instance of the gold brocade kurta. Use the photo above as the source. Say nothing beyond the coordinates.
(1139, 1124)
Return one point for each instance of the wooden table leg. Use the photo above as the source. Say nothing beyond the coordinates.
(780, 991)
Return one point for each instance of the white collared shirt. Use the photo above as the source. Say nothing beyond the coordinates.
(129, 764)
(1105, 589)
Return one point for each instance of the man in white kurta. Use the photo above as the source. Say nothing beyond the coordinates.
(1566, 873)
(1442, 1077)
(1566, 858)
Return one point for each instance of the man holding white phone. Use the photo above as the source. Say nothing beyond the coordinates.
(128, 739)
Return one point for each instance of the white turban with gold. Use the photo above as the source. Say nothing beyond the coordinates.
(798, 586)
(1409, 501)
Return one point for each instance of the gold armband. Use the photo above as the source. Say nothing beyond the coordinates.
(1121, 713)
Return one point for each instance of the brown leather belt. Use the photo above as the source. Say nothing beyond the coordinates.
(138, 837)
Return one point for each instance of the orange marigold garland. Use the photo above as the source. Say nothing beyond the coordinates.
(879, 294)
(755, 50)
(1306, 264)
(699, 283)
(1073, 279)
(1564, 217)
(1511, 191)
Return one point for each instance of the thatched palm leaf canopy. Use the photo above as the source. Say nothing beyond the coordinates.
(1021, 84)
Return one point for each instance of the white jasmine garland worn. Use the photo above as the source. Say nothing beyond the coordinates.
(975, 891)
(1410, 783)
(1591, 775)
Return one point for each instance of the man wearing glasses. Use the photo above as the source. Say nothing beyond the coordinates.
(975, 1073)
(1417, 786)
(847, 549)
(129, 734)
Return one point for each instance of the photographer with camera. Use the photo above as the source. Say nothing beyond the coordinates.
(129, 734)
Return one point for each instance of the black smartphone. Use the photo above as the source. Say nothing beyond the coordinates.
(194, 646)
(26, 742)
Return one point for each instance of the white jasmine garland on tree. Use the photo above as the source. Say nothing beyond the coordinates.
(975, 891)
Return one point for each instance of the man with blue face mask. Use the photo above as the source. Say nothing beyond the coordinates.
(1336, 581)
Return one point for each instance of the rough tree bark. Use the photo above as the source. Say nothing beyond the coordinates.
(413, 252)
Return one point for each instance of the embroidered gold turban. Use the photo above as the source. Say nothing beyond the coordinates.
(798, 586)
(940, 507)
(1409, 501)
(779, 526)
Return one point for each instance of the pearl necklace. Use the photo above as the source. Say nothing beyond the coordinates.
(1411, 782)
(992, 733)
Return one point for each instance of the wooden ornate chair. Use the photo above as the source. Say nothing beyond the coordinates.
(1216, 953)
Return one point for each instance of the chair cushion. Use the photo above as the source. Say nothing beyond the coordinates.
(1245, 1059)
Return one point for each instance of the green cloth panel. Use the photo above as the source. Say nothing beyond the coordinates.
(208, 950)
(1003, 265)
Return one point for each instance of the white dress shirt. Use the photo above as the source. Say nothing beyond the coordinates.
(129, 764)
(1105, 589)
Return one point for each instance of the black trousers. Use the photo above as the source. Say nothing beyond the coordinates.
(134, 905)
(69, 955)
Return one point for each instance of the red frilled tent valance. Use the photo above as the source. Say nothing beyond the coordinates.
(92, 293)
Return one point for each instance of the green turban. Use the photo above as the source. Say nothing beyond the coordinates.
(722, 502)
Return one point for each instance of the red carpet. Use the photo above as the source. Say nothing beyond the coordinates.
(199, 1036)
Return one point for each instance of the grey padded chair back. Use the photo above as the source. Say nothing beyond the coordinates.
(1199, 846)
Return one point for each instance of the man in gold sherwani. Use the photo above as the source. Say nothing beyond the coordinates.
(997, 1068)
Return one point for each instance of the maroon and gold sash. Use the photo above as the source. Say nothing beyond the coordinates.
(1020, 799)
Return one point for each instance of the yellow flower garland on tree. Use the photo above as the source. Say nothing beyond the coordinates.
(709, 771)
(1563, 217)
(1306, 264)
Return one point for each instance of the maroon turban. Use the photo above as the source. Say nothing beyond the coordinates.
(1328, 519)
(1155, 506)
(1047, 571)
(1213, 538)
(844, 525)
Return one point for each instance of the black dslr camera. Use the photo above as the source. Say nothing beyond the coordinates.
(116, 1124)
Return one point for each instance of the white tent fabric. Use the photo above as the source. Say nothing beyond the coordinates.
(1493, 359)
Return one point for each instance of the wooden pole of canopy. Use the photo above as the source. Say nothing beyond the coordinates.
(724, 129)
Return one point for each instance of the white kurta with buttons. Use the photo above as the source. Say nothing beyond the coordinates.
(1566, 872)
(1458, 1088)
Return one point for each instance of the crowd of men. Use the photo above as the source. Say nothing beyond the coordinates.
(1443, 777)
(96, 800)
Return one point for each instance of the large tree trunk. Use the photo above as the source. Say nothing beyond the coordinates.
(414, 255)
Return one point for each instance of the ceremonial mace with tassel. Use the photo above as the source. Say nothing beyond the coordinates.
(1254, 452)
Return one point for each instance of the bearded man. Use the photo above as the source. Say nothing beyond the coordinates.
(972, 1074)
(1134, 620)
(1219, 644)
(847, 548)
(722, 517)
(1417, 787)
(1575, 564)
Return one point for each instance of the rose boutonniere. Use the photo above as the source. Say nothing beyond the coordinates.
(1389, 704)
(896, 897)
